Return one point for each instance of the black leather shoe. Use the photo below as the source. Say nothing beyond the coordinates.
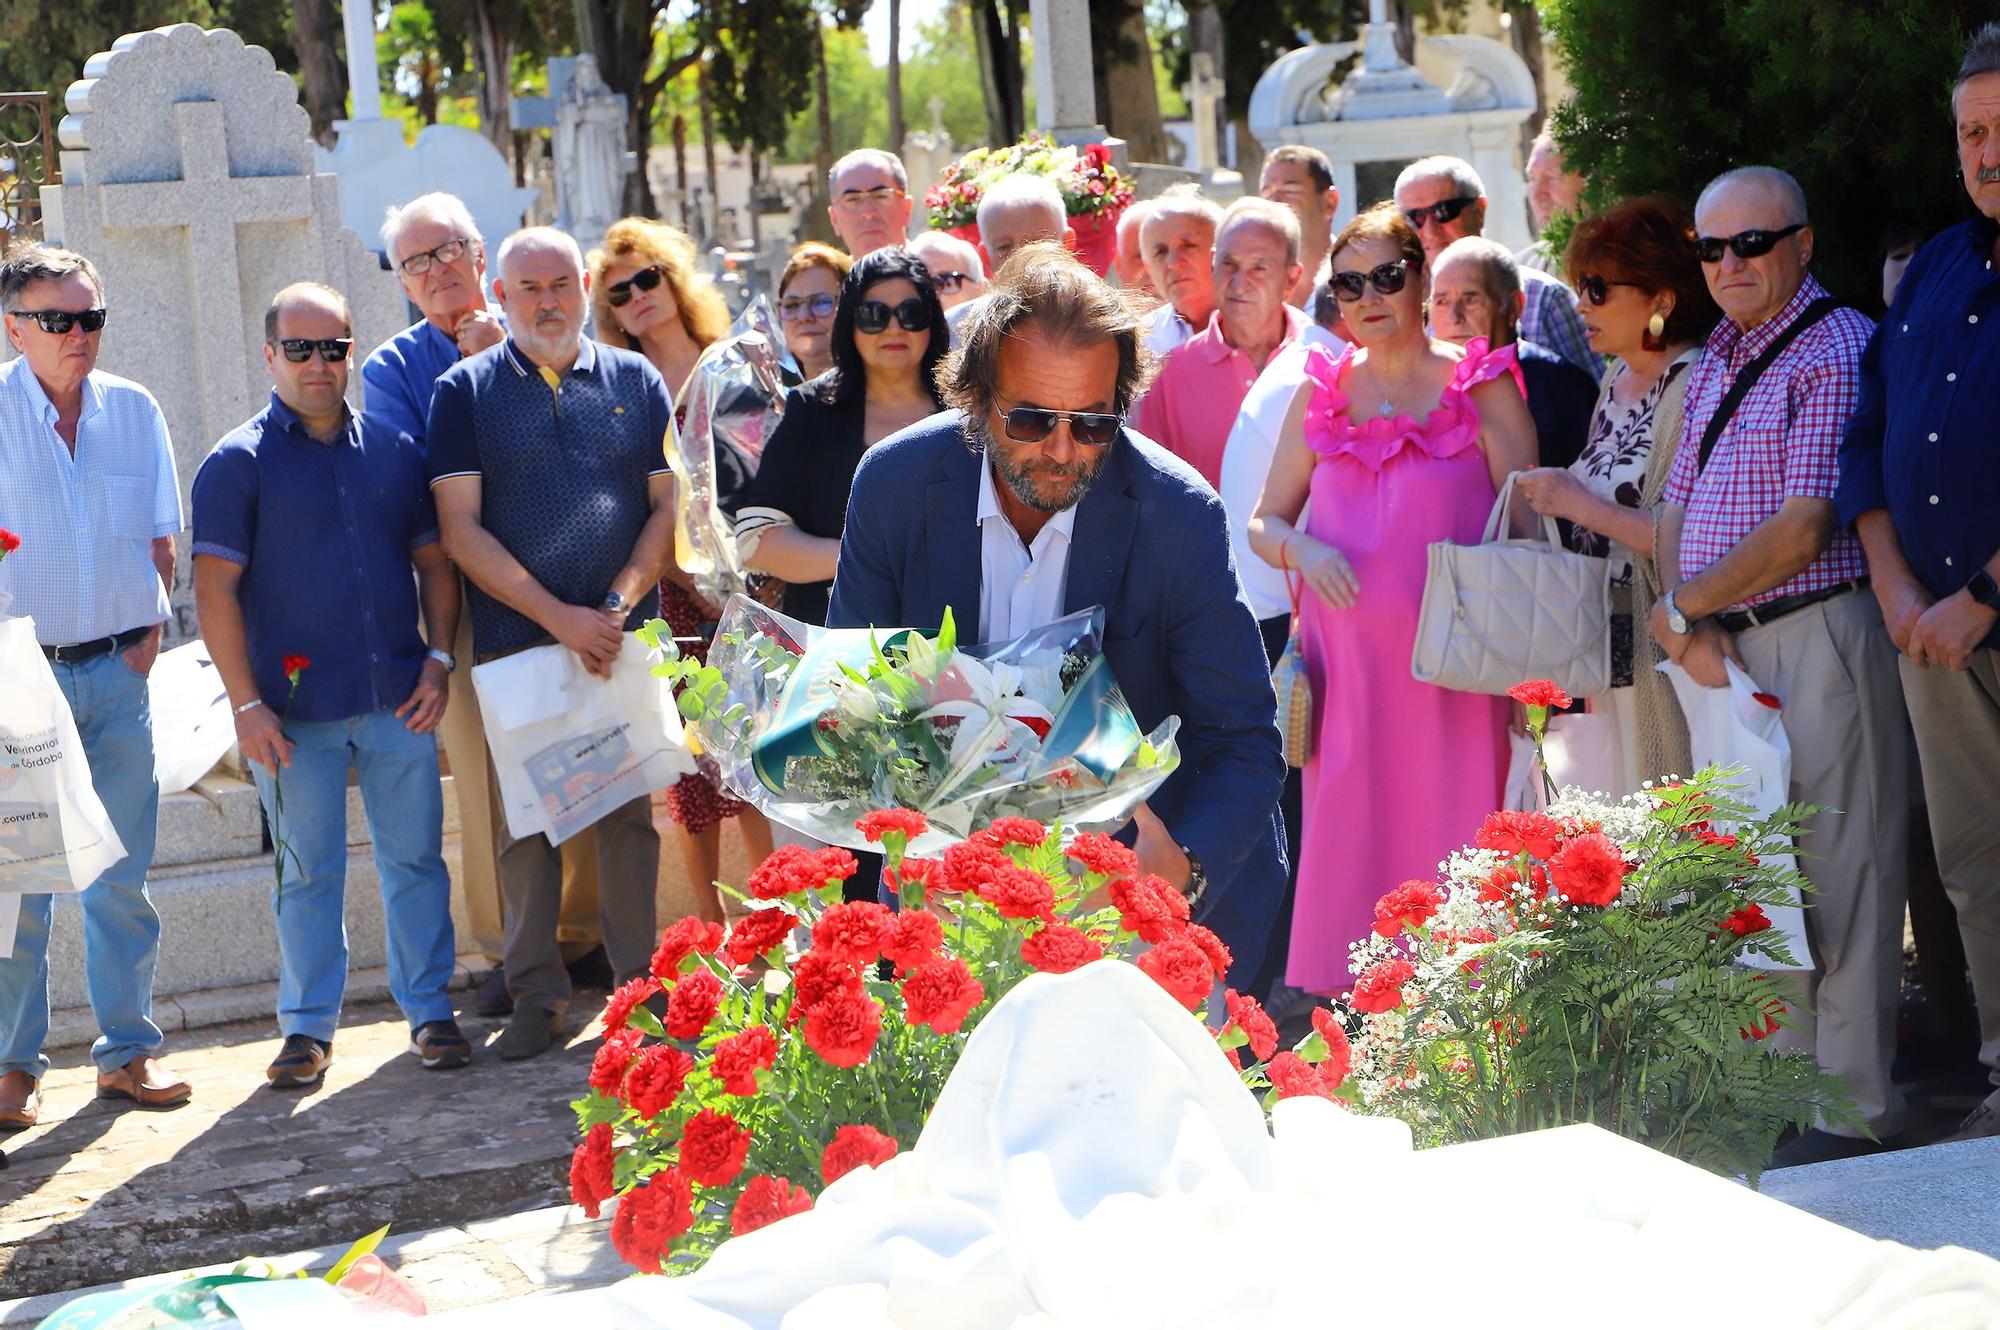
(591, 970)
(491, 997)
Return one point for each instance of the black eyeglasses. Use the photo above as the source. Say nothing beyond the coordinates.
(949, 282)
(872, 316)
(1597, 289)
(794, 308)
(451, 251)
(1444, 212)
(1388, 278)
(299, 350)
(58, 322)
(1747, 244)
(1032, 424)
(646, 279)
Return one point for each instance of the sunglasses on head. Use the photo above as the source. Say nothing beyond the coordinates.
(794, 308)
(58, 322)
(1032, 424)
(872, 316)
(1388, 278)
(1747, 244)
(299, 350)
(1597, 289)
(949, 282)
(620, 293)
(1444, 212)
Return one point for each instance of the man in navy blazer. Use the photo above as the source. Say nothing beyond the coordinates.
(1029, 501)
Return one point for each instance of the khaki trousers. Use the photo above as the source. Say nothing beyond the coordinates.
(1834, 669)
(1956, 714)
(464, 736)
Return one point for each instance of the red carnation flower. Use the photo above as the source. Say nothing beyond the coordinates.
(853, 931)
(1408, 906)
(294, 666)
(693, 1004)
(1100, 854)
(1018, 831)
(1059, 948)
(614, 1055)
(1248, 1015)
(1721, 840)
(1589, 870)
(859, 1146)
(713, 1148)
(757, 932)
(1539, 693)
(1339, 1052)
(836, 865)
(650, 1217)
(879, 823)
(1180, 966)
(925, 873)
(816, 977)
(766, 1200)
(968, 866)
(1750, 919)
(1212, 947)
(843, 1028)
(940, 994)
(590, 1170)
(1381, 986)
(684, 937)
(789, 870)
(1149, 907)
(1538, 834)
(913, 939)
(1018, 893)
(657, 1079)
(1764, 1029)
(9, 542)
(740, 1057)
(1295, 1078)
(618, 1010)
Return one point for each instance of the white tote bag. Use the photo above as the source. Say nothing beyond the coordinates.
(1736, 727)
(1508, 609)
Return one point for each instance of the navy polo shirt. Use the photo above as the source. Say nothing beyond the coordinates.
(323, 532)
(563, 462)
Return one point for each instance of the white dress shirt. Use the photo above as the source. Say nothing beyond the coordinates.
(1246, 460)
(1020, 585)
(1167, 330)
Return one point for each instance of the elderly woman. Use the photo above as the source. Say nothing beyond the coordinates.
(1401, 440)
(956, 268)
(1645, 307)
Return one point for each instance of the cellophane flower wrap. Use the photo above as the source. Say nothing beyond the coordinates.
(816, 727)
(1085, 176)
(763, 1060)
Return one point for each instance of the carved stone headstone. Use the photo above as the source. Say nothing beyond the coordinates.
(926, 152)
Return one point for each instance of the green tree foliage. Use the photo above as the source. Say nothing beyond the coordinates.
(936, 63)
(44, 45)
(760, 58)
(1850, 96)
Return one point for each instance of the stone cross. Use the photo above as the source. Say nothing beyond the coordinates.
(936, 107)
(1204, 94)
(358, 22)
(1065, 87)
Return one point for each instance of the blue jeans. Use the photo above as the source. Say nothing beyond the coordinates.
(401, 793)
(121, 931)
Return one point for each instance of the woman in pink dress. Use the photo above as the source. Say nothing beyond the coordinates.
(1399, 441)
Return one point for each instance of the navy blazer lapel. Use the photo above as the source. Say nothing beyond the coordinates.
(952, 540)
(1106, 521)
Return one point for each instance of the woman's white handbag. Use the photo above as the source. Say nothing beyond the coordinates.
(1506, 610)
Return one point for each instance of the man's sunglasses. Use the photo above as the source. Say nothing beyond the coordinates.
(1444, 212)
(1032, 424)
(1747, 244)
(798, 307)
(872, 316)
(1597, 289)
(299, 350)
(949, 282)
(1388, 278)
(646, 279)
(58, 322)
(451, 251)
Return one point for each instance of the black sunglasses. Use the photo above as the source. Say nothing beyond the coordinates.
(1597, 289)
(1747, 244)
(1032, 424)
(1444, 212)
(58, 322)
(299, 350)
(1388, 278)
(872, 316)
(949, 282)
(646, 279)
(793, 308)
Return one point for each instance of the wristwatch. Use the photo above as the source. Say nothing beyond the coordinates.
(1197, 883)
(615, 603)
(444, 658)
(1677, 623)
(1984, 589)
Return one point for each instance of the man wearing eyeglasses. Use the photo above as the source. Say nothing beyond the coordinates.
(87, 482)
(1057, 507)
(301, 496)
(1758, 574)
(871, 204)
(954, 266)
(1445, 200)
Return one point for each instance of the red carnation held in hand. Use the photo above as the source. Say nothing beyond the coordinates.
(590, 1170)
(859, 1146)
(843, 1028)
(656, 1080)
(693, 1004)
(650, 1217)
(766, 1200)
(940, 994)
(9, 542)
(1380, 988)
(1540, 693)
(713, 1147)
(1589, 870)
(1059, 949)
(740, 1057)
(1408, 906)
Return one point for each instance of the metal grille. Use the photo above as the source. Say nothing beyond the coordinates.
(27, 163)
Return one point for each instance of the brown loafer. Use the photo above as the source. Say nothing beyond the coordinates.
(20, 1101)
(144, 1081)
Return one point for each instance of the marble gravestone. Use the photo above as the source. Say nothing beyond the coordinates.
(590, 154)
(188, 180)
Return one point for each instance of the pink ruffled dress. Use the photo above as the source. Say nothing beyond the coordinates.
(1402, 772)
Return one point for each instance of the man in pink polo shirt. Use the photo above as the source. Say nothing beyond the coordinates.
(1193, 403)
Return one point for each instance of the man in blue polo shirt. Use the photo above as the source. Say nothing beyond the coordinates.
(546, 460)
(306, 528)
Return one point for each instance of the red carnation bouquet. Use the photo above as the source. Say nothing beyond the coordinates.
(1592, 963)
(747, 1073)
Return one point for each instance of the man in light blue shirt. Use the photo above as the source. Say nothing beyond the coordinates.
(92, 493)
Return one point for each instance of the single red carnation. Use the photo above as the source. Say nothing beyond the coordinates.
(1180, 966)
(1212, 947)
(693, 1004)
(9, 542)
(590, 1170)
(1018, 831)
(1589, 870)
(1100, 854)
(713, 1148)
(650, 1217)
(925, 873)
(656, 1079)
(1149, 907)
(1339, 1052)
(836, 865)
(879, 823)
(853, 931)
(292, 665)
(913, 939)
(1539, 693)
(789, 870)
(740, 1057)
(757, 932)
(629, 995)
(859, 1146)
(1295, 1078)
(766, 1200)
(1408, 906)
(1721, 840)
(940, 994)
(1059, 948)
(614, 1055)
(843, 1028)
(1381, 985)
(684, 937)
(816, 977)
(968, 866)
(1018, 893)
(1248, 1015)
(1512, 833)
(1750, 919)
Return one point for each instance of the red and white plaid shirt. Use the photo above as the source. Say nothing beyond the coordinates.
(1784, 439)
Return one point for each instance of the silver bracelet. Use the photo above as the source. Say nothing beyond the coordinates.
(251, 705)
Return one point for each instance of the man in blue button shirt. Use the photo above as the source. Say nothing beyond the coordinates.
(1920, 481)
(306, 528)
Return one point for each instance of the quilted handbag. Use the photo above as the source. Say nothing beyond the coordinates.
(1510, 609)
(1294, 689)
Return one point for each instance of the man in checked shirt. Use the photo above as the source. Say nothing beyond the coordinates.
(1761, 576)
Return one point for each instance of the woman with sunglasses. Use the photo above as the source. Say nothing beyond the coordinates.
(888, 337)
(1646, 308)
(1400, 441)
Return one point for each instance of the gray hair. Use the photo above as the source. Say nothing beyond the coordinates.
(1982, 56)
(537, 237)
(1455, 169)
(1277, 216)
(1183, 201)
(41, 263)
(1022, 190)
(1768, 178)
(966, 256)
(1503, 275)
(888, 161)
(289, 294)
(438, 207)
(1134, 217)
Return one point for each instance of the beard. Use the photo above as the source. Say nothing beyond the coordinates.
(1021, 479)
(549, 339)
